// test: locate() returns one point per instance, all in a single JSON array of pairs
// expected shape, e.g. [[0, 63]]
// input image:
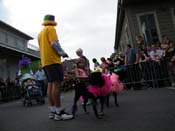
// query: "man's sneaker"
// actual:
[[66, 116], [57, 117], [63, 116], [51, 115]]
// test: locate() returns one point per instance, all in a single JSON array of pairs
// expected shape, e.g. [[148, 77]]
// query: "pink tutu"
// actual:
[[101, 91], [117, 86]]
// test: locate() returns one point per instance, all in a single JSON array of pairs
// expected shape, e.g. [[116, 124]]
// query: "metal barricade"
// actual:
[[9, 93], [149, 74]]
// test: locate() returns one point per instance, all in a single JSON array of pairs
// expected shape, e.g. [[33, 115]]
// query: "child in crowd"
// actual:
[[81, 76], [104, 65]]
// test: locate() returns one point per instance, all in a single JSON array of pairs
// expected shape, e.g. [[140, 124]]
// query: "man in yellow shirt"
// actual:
[[51, 53]]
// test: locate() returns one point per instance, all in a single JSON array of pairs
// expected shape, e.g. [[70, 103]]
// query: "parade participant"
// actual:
[[50, 53], [80, 87], [84, 62]]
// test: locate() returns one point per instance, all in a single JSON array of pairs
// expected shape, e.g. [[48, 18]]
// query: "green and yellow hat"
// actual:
[[97, 70], [49, 20]]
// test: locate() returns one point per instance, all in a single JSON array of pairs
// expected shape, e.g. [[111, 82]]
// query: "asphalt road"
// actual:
[[144, 110]]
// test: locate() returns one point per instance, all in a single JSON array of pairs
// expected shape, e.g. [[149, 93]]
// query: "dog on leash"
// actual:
[[97, 87]]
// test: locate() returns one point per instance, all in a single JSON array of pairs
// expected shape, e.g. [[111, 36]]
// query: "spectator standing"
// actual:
[[40, 77], [119, 60], [131, 58], [79, 53], [131, 55], [142, 56], [51, 52], [165, 39], [170, 59], [155, 54]]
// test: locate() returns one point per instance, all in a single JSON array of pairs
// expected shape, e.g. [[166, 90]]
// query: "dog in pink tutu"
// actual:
[[117, 86], [98, 87]]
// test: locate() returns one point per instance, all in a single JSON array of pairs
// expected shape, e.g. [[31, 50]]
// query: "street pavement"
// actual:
[[142, 110]]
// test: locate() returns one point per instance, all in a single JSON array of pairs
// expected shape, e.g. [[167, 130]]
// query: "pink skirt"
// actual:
[[117, 85], [101, 91]]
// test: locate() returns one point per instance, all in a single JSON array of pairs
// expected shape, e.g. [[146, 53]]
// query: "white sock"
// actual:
[[57, 109], [52, 108]]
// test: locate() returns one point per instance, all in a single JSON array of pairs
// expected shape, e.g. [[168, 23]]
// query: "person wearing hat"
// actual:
[[51, 53]]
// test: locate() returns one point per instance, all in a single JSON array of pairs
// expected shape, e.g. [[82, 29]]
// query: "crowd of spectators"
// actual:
[[148, 63], [154, 61], [9, 89]]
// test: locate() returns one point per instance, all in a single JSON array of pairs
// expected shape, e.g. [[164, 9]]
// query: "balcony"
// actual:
[[14, 43]]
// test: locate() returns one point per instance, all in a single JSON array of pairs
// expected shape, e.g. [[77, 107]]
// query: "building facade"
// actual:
[[150, 19], [13, 44]]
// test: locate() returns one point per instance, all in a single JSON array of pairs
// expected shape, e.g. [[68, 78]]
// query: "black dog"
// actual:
[[94, 79], [115, 99]]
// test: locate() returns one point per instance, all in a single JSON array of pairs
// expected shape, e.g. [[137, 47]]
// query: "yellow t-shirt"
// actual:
[[48, 55]]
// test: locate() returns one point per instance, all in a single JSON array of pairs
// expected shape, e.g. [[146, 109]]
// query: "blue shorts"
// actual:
[[54, 72]]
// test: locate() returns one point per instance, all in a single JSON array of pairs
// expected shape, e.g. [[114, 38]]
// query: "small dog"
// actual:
[[116, 87], [97, 86]]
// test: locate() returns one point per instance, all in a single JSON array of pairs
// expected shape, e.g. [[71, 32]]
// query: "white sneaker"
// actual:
[[63, 116], [51, 115], [66, 116], [57, 117]]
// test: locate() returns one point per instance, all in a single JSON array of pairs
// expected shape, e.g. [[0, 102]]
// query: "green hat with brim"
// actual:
[[49, 20]]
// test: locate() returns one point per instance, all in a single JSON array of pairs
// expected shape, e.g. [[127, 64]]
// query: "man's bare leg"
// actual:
[[56, 94], [51, 101], [49, 94]]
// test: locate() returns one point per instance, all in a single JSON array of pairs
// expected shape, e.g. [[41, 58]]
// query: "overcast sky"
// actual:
[[86, 24]]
